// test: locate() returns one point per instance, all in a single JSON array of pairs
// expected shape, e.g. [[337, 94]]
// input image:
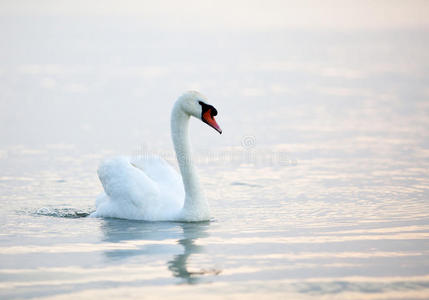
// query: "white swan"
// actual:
[[149, 188]]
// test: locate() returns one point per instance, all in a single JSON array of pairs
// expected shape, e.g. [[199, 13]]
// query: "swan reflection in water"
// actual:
[[178, 266], [186, 235]]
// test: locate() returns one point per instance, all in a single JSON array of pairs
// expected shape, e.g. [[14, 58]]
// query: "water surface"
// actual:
[[319, 184]]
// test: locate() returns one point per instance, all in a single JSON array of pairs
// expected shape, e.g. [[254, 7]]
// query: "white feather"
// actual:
[[148, 188]]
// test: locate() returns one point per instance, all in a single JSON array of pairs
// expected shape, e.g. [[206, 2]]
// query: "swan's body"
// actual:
[[149, 188]]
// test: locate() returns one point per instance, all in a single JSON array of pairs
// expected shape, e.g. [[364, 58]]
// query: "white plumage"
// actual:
[[148, 188]]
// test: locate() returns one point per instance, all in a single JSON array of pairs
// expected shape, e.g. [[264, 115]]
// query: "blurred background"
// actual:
[[318, 186], [104, 74]]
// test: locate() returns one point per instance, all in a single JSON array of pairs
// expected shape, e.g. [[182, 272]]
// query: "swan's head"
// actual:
[[195, 104]]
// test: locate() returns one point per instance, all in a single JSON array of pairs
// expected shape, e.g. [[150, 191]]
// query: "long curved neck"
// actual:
[[194, 199]]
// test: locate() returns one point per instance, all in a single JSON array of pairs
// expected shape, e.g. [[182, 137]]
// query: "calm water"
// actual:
[[319, 186], [310, 227]]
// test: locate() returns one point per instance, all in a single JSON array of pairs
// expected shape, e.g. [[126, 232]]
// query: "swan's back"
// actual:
[[146, 188]]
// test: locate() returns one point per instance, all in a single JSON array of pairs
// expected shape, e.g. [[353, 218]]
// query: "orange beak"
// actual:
[[209, 119]]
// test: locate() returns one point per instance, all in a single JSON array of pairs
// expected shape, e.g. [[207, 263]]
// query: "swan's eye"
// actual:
[[205, 107]]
